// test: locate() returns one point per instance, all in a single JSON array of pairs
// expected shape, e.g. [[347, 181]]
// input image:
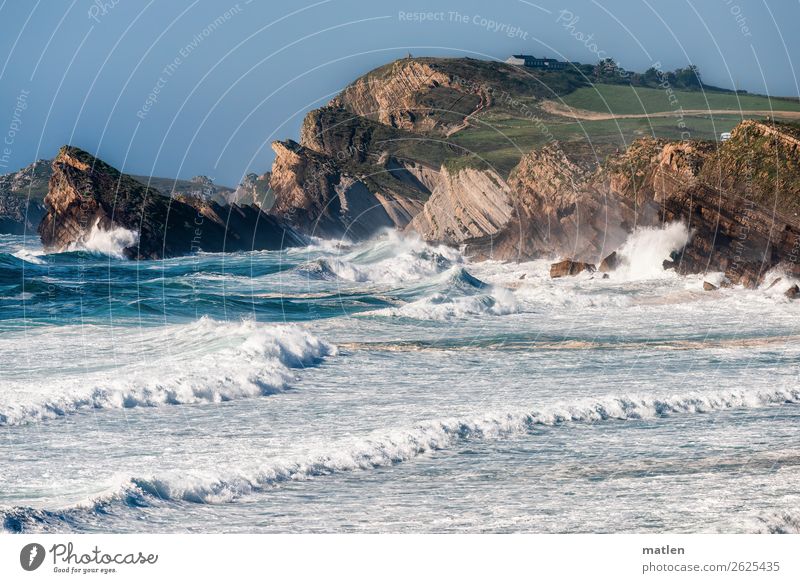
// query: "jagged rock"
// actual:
[[371, 148], [569, 267], [253, 189], [553, 213], [85, 193], [467, 204], [709, 286], [605, 276], [792, 292], [318, 196], [21, 195], [610, 262]]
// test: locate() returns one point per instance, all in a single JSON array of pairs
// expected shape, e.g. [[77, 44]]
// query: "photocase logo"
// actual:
[[31, 556]]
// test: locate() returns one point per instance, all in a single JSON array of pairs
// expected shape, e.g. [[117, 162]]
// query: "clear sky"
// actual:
[[233, 76]]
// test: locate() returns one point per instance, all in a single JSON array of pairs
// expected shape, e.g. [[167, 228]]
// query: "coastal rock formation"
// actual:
[[466, 204], [253, 190], [436, 95], [21, 196], [397, 96], [610, 262], [86, 194], [569, 267], [740, 213], [321, 198], [560, 208]]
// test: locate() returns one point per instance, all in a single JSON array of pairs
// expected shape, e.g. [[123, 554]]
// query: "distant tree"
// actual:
[[650, 77], [607, 69], [688, 78]]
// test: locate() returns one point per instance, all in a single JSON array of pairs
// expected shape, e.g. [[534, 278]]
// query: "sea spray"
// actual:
[[647, 247], [111, 242]]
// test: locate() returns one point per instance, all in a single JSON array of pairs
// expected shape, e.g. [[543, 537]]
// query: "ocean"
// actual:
[[391, 386]]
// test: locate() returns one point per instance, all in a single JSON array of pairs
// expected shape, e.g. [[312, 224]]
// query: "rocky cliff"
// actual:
[[435, 95], [253, 189], [87, 194], [739, 201], [372, 157], [21, 195]]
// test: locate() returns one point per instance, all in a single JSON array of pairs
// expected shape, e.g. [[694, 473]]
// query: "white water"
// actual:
[[112, 242], [647, 247], [206, 361], [462, 397]]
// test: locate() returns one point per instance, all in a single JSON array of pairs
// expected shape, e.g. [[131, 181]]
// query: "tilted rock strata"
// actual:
[[86, 193]]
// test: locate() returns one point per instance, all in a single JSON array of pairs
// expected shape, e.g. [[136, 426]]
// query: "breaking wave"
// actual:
[[646, 249], [390, 259], [388, 449], [112, 243], [462, 295], [203, 362]]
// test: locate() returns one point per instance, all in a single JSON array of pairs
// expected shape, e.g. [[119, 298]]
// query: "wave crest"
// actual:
[[391, 448], [243, 360]]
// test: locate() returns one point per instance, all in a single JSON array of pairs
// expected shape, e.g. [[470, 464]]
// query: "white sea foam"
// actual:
[[112, 243], [29, 255], [390, 259], [206, 361], [404, 444], [646, 249], [381, 449]]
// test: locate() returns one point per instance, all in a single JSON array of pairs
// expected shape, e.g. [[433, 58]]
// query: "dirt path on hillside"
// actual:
[[556, 108]]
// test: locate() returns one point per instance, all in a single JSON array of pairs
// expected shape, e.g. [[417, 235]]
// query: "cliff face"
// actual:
[[371, 158], [404, 97], [435, 96], [21, 195], [741, 216], [86, 193], [321, 198], [465, 204], [558, 212], [739, 201], [254, 189]]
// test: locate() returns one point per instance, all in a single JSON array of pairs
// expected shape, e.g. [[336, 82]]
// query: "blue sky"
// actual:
[[233, 76]]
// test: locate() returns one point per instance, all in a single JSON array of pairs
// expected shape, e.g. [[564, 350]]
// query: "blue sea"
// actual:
[[391, 386]]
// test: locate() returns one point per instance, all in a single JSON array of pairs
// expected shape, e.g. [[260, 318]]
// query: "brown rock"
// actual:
[[86, 193], [793, 292], [610, 263], [570, 267], [709, 286]]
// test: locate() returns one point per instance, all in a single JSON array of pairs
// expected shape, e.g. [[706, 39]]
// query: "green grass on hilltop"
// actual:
[[502, 141], [624, 99]]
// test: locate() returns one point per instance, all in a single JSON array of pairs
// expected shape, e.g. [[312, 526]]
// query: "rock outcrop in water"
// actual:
[[374, 155], [739, 200], [21, 195], [86, 194], [379, 156], [569, 267]]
